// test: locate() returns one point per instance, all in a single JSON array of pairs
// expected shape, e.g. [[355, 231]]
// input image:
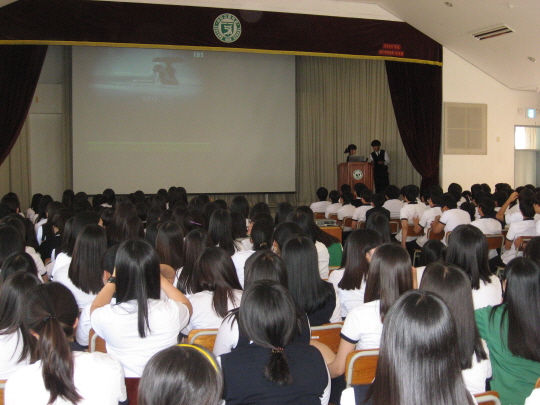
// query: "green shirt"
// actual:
[[336, 252], [513, 377]]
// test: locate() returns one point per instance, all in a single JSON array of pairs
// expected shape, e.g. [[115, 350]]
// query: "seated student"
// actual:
[[322, 204], [377, 202], [526, 227], [487, 222], [18, 262], [434, 199], [432, 251], [357, 191], [334, 206], [393, 203], [451, 216], [58, 375], [509, 215], [411, 209], [359, 214], [456, 191], [285, 208], [380, 224], [347, 210], [273, 369]]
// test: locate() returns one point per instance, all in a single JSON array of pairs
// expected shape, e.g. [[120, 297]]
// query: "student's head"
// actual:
[[261, 235], [220, 230], [532, 250], [36, 198], [357, 253], [322, 193], [305, 222], [345, 187], [390, 275], [378, 200], [110, 195], [207, 211], [419, 351], [526, 206], [215, 272], [376, 145], [359, 188], [392, 192], [351, 149], [366, 195], [170, 244], [72, 232], [452, 285], [381, 224], [432, 251], [347, 197], [455, 189], [268, 317], [282, 210], [260, 207], [436, 198], [283, 232], [51, 315], [265, 265], [468, 249], [12, 202], [193, 219], [469, 208], [240, 204], [410, 192], [448, 201], [16, 221], [334, 196], [11, 242], [132, 228], [17, 262], [487, 206], [194, 244], [181, 375], [238, 223], [137, 278]]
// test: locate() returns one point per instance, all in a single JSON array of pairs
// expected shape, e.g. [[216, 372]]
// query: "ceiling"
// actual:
[[505, 57]]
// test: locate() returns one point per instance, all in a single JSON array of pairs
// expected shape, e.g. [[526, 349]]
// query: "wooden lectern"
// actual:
[[356, 172]]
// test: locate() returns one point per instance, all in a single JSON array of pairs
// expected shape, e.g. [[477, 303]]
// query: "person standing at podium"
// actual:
[[380, 160], [351, 150]]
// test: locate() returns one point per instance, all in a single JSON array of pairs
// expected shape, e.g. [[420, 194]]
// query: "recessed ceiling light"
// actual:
[[531, 59], [449, 4]]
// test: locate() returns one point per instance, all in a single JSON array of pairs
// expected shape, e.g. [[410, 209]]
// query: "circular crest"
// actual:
[[358, 174], [227, 28]]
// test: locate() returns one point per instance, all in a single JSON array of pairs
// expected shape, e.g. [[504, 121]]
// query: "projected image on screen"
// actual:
[[212, 122]]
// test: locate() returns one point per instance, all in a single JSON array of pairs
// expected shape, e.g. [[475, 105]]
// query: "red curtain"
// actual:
[[416, 91], [20, 67]]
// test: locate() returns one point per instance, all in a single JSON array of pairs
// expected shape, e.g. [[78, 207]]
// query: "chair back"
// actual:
[[524, 241], [96, 343], [335, 231], [395, 225], [328, 334], [537, 385], [412, 232], [433, 235], [319, 215], [488, 398], [2, 386], [333, 216], [495, 241], [347, 222], [203, 337], [360, 367], [361, 225]]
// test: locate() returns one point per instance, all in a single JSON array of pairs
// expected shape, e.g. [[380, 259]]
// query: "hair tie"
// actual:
[[278, 350], [194, 223], [264, 244], [204, 352], [48, 318]]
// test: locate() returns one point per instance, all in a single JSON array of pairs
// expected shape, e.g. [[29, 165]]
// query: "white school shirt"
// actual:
[[475, 377], [523, 228], [346, 211], [428, 216], [394, 206], [538, 228], [359, 213], [320, 206], [83, 299], [227, 336], [534, 398], [39, 230], [82, 332], [323, 259], [348, 299], [62, 260], [489, 226], [204, 316], [239, 259], [386, 157], [408, 212], [98, 378], [363, 326], [117, 324], [332, 209], [10, 349], [37, 259], [489, 294], [452, 219]]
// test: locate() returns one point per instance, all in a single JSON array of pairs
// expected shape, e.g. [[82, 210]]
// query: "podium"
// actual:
[[356, 172]]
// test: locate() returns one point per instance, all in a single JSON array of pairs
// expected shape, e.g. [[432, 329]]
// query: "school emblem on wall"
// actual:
[[227, 28], [358, 174]]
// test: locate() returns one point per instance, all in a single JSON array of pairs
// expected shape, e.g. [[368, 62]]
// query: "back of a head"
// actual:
[[181, 375], [322, 193], [359, 188], [469, 208], [220, 229], [132, 228], [79, 222], [347, 197], [284, 231], [240, 204], [334, 196], [345, 187], [283, 209], [392, 192], [264, 265], [239, 228], [194, 244], [208, 210], [468, 249], [432, 251], [170, 244], [11, 241], [378, 200], [532, 250], [455, 190], [354, 259], [419, 351], [12, 202], [261, 235], [487, 205], [449, 201], [17, 262], [380, 223], [193, 219], [303, 221], [36, 198], [260, 207]]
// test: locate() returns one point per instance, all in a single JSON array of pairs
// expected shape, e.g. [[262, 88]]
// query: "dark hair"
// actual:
[[378, 200], [359, 188], [11, 241], [222, 204], [42, 208], [12, 306], [376, 143], [526, 207], [532, 250], [284, 231], [268, 317], [220, 230], [392, 192], [238, 222], [36, 198], [122, 212], [432, 251], [132, 228], [345, 187], [215, 272], [469, 208], [109, 258], [194, 244], [487, 205], [260, 207], [334, 196], [282, 210], [307, 288], [305, 209], [153, 214], [500, 198], [207, 212], [381, 224], [264, 265], [419, 351], [106, 216], [17, 262], [170, 244], [322, 193], [366, 194], [51, 312], [453, 286], [240, 204], [85, 270], [455, 190], [181, 375], [261, 235], [137, 278], [354, 260], [468, 249], [52, 209], [73, 227], [410, 192], [309, 228], [449, 201], [521, 306], [390, 275], [193, 219], [110, 195], [347, 197], [350, 148]]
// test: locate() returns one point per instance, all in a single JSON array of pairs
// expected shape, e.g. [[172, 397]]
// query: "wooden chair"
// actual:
[[132, 389], [433, 235], [203, 337], [488, 398], [2, 386], [524, 241], [328, 334], [335, 231], [412, 232], [347, 222], [361, 225], [395, 226], [537, 385], [360, 367], [319, 215], [96, 343], [333, 216], [495, 241]]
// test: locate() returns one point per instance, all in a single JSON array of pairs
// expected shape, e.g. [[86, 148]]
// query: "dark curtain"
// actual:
[[20, 67], [416, 91]]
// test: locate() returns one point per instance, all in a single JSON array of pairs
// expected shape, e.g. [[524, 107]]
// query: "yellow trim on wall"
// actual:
[[217, 49]]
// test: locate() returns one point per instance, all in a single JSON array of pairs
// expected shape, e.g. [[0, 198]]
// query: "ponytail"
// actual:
[[51, 312], [277, 369]]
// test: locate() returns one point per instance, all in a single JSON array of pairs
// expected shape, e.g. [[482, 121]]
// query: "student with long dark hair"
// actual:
[[432, 251], [18, 262], [11, 241], [170, 244], [240, 204], [34, 205], [216, 289], [273, 368], [432, 375], [57, 375], [194, 244], [452, 285], [282, 210], [350, 280], [220, 229], [122, 212], [139, 324], [316, 297], [54, 243], [46, 230], [181, 375], [390, 275], [468, 249], [282, 232], [84, 276], [15, 338], [512, 332]]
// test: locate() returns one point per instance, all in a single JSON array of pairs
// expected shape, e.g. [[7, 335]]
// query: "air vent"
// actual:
[[492, 32]]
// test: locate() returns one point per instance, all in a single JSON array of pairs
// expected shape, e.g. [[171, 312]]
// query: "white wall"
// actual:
[[464, 83]]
